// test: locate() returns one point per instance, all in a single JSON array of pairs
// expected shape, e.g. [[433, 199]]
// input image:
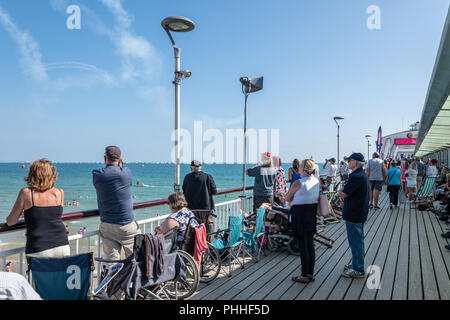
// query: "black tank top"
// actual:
[[45, 229]]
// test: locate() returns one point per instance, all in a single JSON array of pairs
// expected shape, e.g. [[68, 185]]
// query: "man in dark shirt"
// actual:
[[356, 209], [117, 223], [198, 189]]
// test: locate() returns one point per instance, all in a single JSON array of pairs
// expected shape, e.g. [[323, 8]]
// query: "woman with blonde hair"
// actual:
[[304, 196], [42, 206]]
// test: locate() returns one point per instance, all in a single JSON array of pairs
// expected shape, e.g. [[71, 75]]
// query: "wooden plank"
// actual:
[[333, 266], [234, 286], [336, 285], [389, 267], [440, 227], [267, 278], [208, 291], [369, 294], [355, 288], [415, 272], [400, 290], [287, 284], [442, 276], [430, 290]]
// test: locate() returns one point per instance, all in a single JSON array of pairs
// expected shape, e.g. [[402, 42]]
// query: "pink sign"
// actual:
[[405, 141]]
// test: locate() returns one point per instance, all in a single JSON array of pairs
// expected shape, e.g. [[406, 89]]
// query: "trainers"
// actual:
[[447, 247], [351, 273], [376, 207], [391, 206], [371, 207], [348, 267]]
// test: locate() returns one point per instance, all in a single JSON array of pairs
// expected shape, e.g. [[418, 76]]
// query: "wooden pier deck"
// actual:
[[405, 243]]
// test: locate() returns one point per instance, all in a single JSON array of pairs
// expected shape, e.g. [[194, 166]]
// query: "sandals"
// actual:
[[301, 279]]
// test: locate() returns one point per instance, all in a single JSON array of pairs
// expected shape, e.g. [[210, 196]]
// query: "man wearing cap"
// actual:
[[356, 209], [117, 223], [198, 189], [264, 178], [376, 171], [332, 168]]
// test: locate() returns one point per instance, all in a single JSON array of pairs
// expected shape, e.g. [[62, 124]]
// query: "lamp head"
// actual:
[[252, 84], [178, 24]]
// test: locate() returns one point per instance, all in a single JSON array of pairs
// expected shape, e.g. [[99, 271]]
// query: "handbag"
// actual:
[[323, 206]]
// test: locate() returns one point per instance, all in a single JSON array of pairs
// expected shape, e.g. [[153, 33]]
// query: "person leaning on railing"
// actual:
[[115, 204], [41, 204]]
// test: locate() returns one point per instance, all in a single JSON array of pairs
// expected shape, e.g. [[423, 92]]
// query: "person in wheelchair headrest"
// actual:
[[179, 218]]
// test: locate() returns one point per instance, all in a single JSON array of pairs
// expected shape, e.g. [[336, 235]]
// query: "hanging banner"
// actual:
[[379, 144]]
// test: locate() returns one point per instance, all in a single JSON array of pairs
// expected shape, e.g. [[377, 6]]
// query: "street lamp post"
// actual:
[[338, 127], [177, 24], [368, 145], [249, 85]]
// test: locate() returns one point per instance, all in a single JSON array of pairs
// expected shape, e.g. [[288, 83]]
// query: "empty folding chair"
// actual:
[[62, 278]]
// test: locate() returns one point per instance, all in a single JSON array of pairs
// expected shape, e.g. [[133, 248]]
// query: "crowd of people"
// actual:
[[41, 204]]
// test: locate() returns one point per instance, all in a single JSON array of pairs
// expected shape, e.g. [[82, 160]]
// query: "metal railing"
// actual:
[[91, 241]]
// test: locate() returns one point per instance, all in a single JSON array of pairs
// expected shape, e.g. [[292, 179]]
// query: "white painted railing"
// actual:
[[91, 241]]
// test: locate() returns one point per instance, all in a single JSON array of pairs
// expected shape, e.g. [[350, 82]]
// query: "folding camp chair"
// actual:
[[427, 189], [61, 278], [230, 242], [255, 240]]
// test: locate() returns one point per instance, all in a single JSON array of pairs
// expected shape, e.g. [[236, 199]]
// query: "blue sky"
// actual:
[[66, 94]]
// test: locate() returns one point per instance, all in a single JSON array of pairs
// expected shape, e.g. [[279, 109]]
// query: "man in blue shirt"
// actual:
[[420, 172], [117, 224], [356, 209]]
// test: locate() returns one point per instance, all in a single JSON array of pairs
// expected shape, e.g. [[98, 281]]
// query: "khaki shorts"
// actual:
[[116, 236]]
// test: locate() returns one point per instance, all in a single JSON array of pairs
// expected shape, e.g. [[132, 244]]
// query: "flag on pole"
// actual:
[[379, 144]]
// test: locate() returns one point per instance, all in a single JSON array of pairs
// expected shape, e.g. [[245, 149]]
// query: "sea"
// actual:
[[76, 180]]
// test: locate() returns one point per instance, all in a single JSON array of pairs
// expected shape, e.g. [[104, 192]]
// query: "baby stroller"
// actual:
[[279, 232], [128, 280]]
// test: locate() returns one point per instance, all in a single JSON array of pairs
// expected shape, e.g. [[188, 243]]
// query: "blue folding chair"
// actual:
[[255, 240], [230, 242], [61, 278]]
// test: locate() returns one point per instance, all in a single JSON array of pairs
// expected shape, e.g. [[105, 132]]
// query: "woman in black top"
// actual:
[[42, 206]]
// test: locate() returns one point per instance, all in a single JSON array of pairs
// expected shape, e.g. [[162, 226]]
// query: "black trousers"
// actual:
[[307, 253], [393, 194]]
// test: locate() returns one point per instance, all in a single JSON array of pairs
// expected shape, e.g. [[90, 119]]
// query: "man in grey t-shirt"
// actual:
[[377, 174]]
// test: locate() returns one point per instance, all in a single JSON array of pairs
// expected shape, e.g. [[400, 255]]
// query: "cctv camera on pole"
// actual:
[[249, 85]]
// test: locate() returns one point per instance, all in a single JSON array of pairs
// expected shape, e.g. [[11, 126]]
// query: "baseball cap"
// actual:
[[356, 156], [196, 163], [113, 153]]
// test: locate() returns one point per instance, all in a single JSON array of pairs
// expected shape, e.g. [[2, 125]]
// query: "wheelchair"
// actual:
[[127, 279]]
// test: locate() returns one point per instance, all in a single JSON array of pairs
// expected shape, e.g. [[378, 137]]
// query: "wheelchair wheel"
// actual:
[[293, 247], [211, 264], [272, 244], [183, 290]]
